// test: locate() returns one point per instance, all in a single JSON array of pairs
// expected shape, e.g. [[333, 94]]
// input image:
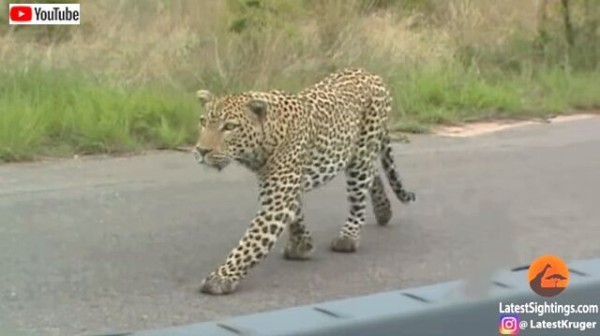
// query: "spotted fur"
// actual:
[[295, 143]]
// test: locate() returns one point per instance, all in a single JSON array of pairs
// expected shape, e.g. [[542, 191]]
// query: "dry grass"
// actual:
[[188, 41]]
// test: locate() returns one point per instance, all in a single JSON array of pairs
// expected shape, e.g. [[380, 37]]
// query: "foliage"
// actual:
[[124, 79]]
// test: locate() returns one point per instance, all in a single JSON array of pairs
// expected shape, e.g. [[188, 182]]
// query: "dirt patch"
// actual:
[[480, 128]]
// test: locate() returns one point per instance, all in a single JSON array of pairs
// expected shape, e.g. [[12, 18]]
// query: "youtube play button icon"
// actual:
[[21, 13]]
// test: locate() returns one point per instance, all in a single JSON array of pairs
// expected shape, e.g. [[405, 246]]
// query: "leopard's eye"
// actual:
[[230, 126]]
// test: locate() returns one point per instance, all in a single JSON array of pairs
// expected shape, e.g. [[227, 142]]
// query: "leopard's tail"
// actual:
[[389, 167]]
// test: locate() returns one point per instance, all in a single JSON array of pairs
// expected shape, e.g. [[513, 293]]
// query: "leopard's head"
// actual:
[[231, 128]]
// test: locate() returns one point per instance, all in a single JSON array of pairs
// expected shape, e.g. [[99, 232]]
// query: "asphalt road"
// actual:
[[96, 245]]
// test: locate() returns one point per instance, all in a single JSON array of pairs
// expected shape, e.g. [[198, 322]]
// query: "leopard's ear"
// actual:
[[258, 109], [204, 96]]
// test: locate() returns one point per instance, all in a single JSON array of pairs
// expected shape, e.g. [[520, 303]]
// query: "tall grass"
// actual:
[[122, 80]]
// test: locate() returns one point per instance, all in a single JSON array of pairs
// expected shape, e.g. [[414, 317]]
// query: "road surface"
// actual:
[[98, 245]]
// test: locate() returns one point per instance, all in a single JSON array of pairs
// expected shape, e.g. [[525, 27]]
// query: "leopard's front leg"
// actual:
[[279, 204]]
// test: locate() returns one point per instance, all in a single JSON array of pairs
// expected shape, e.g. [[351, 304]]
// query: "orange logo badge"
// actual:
[[548, 275]]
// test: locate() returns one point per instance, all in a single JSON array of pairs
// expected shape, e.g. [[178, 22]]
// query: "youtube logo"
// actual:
[[44, 14], [21, 13]]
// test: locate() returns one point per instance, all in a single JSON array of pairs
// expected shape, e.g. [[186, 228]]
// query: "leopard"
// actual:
[[294, 143]]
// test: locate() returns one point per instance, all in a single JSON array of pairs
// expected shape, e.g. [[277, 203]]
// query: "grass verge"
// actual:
[[450, 95], [56, 113]]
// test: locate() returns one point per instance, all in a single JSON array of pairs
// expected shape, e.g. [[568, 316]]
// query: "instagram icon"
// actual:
[[508, 324]]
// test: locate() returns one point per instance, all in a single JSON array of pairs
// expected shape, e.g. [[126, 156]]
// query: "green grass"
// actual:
[[58, 113], [450, 95]]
